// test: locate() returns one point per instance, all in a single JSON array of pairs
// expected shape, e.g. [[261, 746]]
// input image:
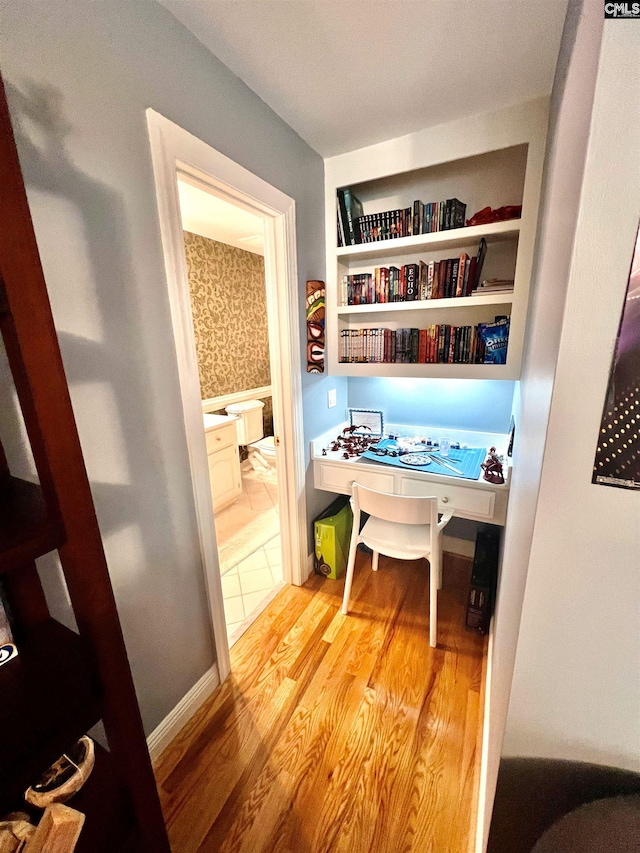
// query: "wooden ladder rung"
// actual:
[[27, 528]]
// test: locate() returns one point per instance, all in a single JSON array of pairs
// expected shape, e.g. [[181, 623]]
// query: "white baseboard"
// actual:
[[460, 547], [310, 568], [484, 805], [161, 737]]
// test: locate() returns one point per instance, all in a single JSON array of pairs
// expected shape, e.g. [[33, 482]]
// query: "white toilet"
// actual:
[[250, 427]]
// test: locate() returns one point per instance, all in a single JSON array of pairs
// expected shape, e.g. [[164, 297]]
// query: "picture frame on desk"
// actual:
[[366, 422]]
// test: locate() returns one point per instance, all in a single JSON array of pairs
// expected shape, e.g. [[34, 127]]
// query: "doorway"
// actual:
[[177, 155], [224, 249]]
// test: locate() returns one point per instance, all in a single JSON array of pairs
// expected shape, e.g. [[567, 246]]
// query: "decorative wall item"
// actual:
[[617, 461], [315, 326], [229, 307]]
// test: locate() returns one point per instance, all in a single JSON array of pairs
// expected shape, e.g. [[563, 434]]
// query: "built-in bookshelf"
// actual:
[[489, 161]]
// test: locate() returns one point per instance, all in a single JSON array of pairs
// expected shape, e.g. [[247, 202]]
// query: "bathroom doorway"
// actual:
[[177, 156], [224, 252]]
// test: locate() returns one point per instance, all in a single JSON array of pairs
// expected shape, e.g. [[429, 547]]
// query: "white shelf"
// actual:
[[490, 160], [427, 305], [433, 371], [454, 238]]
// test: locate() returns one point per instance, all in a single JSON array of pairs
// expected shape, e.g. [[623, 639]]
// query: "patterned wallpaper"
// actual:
[[229, 306]]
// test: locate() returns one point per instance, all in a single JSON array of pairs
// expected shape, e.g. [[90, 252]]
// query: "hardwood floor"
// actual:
[[338, 733]]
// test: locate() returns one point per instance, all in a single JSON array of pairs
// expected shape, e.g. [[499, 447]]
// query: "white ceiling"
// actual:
[[348, 73], [210, 216]]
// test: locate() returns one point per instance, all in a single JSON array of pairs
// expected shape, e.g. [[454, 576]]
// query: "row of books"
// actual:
[[494, 285], [421, 218], [445, 279], [437, 344]]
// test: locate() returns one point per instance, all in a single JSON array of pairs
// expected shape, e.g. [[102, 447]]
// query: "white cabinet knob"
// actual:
[[445, 500]]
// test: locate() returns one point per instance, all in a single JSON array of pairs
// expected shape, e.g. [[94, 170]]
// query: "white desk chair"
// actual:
[[405, 528]]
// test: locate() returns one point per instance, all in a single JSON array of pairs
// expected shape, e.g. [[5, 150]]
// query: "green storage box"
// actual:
[[332, 532]]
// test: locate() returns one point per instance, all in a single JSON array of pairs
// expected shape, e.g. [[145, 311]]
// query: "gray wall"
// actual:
[[80, 76], [576, 686]]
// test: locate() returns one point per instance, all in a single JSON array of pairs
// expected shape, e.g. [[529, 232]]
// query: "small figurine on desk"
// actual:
[[351, 429], [351, 445], [492, 467]]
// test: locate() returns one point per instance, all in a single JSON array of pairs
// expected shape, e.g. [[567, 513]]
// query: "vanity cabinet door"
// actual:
[[224, 473], [221, 437]]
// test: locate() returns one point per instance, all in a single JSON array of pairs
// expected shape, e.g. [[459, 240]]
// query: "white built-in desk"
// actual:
[[477, 500]]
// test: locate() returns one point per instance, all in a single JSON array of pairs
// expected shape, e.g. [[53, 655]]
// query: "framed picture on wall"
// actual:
[[617, 461]]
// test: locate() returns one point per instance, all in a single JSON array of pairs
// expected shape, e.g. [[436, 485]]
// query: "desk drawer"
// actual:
[[336, 478], [220, 437], [476, 502]]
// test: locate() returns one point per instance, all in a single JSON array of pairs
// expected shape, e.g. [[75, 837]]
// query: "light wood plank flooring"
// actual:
[[338, 733]]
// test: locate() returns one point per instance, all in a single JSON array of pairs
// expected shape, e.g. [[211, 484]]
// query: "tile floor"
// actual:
[[249, 586], [248, 534], [250, 521]]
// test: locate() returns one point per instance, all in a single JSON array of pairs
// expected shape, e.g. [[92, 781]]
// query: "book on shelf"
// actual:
[[385, 226], [482, 251], [354, 226], [463, 269], [418, 217], [448, 278], [340, 226], [411, 282], [438, 343], [494, 285], [350, 211]]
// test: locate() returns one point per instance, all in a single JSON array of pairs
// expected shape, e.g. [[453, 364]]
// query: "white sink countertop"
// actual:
[[215, 421]]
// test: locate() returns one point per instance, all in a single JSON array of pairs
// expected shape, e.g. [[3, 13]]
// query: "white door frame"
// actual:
[[174, 151]]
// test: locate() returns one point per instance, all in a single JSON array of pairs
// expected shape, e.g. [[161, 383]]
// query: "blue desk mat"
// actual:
[[467, 460]]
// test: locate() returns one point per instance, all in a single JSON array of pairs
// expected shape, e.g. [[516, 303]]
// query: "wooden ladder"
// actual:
[[62, 683]]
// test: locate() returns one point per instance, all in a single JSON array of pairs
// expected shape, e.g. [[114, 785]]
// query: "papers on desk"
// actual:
[[463, 463]]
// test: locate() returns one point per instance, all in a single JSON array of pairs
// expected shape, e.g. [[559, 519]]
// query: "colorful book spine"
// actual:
[[418, 215], [464, 258], [350, 210], [411, 282]]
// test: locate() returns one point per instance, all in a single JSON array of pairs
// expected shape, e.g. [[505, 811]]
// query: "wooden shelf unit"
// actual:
[[50, 697], [27, 528], [103, 799], [109, 826], [490, 160], [62, 682]]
